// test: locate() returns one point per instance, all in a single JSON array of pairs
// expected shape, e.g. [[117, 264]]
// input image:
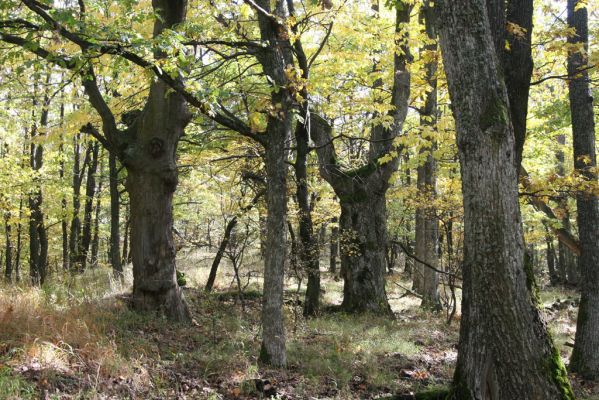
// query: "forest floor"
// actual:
[[77, 339]]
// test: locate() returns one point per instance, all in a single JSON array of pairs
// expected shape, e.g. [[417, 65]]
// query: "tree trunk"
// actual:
[[585, 356], [8, 248], [334, 247], [361, 191], [38, 239], [219, 254], [427, 226], [363, 231], [151, 182], [90, 192], [550, 255], [95, 244], [63, 202], [308, 249], [274, 61], [113, 181], [75, 230], [504, 350]]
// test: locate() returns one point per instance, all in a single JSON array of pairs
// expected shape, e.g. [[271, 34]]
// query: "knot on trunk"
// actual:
[[156, 147]]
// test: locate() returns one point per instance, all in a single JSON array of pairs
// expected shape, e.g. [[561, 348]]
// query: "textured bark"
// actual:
[[113, 181], [504, 350], [427, 226], [585, 355], [361, 192], [150, 160], [363, 231], [274, 59], [219, 254]]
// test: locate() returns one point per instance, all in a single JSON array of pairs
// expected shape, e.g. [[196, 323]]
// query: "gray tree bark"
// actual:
[[427, 225], [585, 355], [504, 350]]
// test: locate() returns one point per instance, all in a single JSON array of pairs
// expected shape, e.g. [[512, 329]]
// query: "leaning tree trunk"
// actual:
[[219, 254], [504, 350], [150, 160], [585, 356], [363, 237]]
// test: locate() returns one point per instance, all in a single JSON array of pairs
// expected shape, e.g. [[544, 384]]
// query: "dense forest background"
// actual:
[[299, 199]]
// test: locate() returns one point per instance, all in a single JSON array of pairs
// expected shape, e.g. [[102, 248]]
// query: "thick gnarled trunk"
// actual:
[[501, 325], [363, 239]]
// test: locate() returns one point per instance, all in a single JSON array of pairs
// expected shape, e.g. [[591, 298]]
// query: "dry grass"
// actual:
[[77, 339]]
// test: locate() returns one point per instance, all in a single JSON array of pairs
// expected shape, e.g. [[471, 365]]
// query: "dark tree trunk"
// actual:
[[126, 258], [219, 254], [63, 202], [427, 226], [75, 230], [585, 356], [334, 247], [308, 249], [38, 239], [95, 244], [8, 248], [113, 181], [550, 255], [19, 243], [90, 192], [504, 350]]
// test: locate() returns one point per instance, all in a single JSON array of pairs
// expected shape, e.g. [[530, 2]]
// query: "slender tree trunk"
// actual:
[[90, 192], [19, 243], [38, 240], [504, 350], [113, 181], [334, 247], [308, 251], [550, 255], [63, 202], [585, 356], [95, 244], [75, 229], [126, 259], [8, 247], [427, 226], [219, 254]]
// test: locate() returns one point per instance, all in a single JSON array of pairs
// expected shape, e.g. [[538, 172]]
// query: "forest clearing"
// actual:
[[299, 199]]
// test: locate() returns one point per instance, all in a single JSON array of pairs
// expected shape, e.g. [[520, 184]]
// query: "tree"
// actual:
[[361, 191], [427, 225], [585, 357], [501, 324]]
